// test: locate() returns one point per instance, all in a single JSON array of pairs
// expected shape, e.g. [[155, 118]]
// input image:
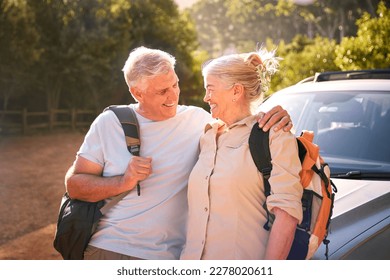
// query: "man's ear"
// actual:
[[137, 93]]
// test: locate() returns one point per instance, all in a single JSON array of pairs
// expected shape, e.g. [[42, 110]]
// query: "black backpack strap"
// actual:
[[259, 148], [129, 122]]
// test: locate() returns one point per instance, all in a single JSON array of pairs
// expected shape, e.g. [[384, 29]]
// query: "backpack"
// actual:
[[77, 220], [318, 194]]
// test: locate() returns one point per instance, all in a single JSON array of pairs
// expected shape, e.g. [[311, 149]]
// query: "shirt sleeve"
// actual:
[[286, 189], [103, 131]]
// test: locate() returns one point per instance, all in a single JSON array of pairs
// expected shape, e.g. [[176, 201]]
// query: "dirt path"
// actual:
[[32, 170]]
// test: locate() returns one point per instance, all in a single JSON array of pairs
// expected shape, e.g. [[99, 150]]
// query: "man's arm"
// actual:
[[84, 180], [277, 115], [281, 236]]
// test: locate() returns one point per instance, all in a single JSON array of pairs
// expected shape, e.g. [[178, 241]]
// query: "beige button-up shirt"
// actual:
[[226, 193]]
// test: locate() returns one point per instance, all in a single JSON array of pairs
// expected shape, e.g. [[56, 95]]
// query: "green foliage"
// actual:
[[69, 53], [302, 58], [370, 49], [18, 49], [78, 64], [305, 36], [228, 25], [197, 89], [213, 27]]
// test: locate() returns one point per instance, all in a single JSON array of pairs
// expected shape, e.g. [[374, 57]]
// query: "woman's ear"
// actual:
[[238, 90]]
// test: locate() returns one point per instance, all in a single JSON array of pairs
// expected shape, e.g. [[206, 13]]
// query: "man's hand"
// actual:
[[84, 179], [278, 116], [138, 169]]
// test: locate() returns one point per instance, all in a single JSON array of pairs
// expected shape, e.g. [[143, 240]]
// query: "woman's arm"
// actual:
[[281, 236]]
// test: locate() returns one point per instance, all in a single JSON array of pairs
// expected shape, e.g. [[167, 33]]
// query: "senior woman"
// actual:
[[225, 191]]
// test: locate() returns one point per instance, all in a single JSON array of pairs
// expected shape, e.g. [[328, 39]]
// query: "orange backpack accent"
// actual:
[[318, 194]]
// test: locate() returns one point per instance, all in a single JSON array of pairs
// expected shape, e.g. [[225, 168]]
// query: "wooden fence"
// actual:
[[23, 121]]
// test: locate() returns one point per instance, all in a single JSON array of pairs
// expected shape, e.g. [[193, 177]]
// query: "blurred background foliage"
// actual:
[[69, 53]]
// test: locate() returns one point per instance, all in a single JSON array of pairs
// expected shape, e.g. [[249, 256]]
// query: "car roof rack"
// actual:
[[349, 75]]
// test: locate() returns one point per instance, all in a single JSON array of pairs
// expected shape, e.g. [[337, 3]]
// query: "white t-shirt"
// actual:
[[150, 226]]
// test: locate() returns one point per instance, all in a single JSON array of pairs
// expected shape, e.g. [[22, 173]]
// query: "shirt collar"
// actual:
[[217, 124], [248, 121]]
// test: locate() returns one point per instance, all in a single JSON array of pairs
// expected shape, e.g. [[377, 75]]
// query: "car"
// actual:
[[349, 113]]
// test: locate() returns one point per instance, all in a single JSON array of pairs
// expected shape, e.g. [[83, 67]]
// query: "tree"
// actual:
[[78, 50], [302, 58], [370, 49], [231, 24], [159, 24], [18, 49], [332, 19], [69, 53]]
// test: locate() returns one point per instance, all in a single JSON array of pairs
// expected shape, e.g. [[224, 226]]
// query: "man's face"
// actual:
[[159, 99]]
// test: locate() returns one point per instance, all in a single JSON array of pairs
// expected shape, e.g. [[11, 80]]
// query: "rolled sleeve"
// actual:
[[286, 189], [92, 148]]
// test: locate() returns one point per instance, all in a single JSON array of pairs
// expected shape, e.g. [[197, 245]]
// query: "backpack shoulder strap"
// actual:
[[309, 161], [259, 148], [129, 122]]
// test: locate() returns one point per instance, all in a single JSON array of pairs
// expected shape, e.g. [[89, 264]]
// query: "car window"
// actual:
[[353, 126]]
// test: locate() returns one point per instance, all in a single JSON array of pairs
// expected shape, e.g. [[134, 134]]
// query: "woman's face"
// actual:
[[219, 96]]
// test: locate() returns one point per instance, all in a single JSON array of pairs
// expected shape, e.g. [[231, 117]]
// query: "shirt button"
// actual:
[[207, 177], [206, 209]]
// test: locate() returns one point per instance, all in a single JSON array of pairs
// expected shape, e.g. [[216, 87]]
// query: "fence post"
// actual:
[[24, 120], [51, 119], [73, 117]]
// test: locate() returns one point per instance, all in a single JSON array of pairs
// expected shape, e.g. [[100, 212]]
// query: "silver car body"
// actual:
[[360, 226]]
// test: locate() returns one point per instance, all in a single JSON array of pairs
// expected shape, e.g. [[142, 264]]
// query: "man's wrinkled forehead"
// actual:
[[160, 81]]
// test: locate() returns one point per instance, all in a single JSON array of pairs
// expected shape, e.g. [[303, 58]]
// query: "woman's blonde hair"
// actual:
[[252, 70]]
